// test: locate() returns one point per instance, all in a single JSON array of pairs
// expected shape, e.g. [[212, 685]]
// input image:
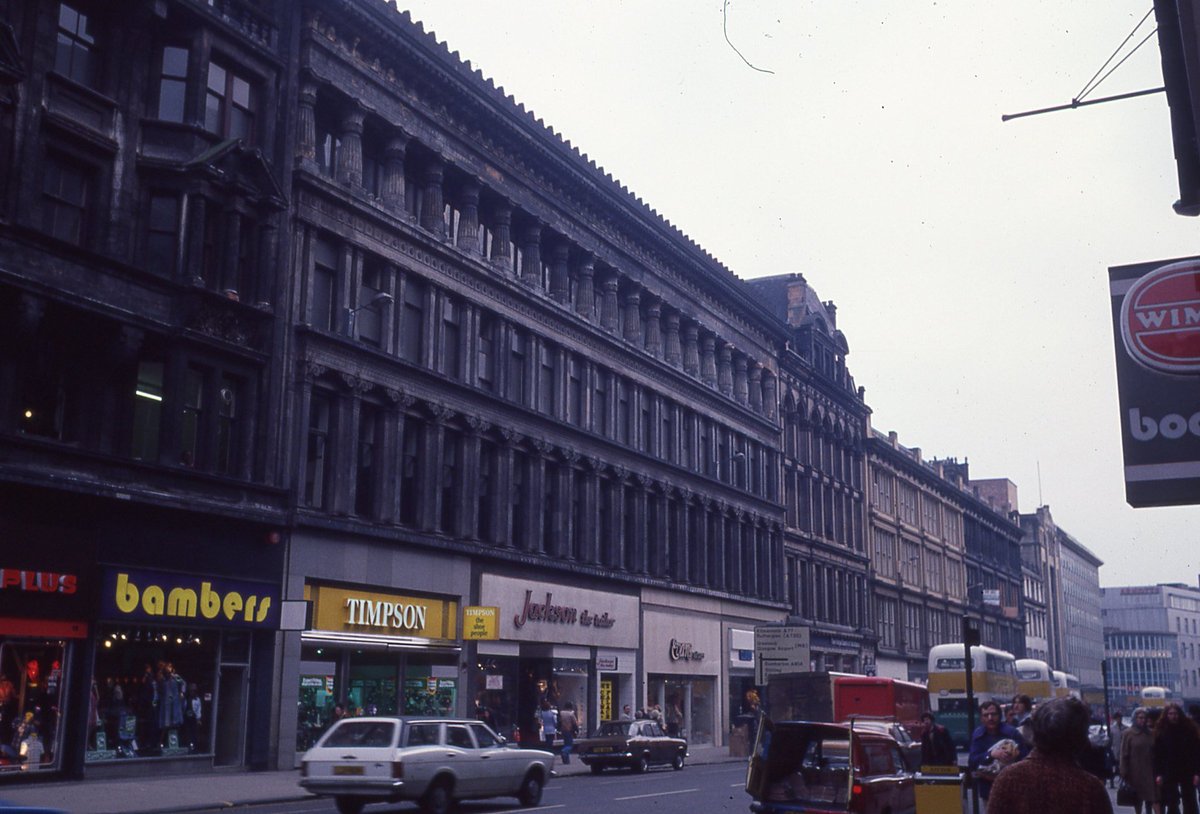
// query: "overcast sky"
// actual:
[[967, 257]]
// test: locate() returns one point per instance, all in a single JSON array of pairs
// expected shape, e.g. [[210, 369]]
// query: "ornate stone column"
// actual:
[[505, 480], [585, 294], [716, 547], [708, 361], [673, 351], [349, 154], [472, 460], [691, 349], [741, 387], [756, 387], [560, 275], [468, 218], [531, 256], [502, 235], [633, 316], [306, 126], [654, 329], [433, 206], [725, 369], [392, 193], [608, 303]]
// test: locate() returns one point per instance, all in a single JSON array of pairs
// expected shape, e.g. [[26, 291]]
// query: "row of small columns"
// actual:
[[716, 363]]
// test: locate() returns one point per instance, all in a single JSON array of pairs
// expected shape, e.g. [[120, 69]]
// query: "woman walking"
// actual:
[[1137, 762], [1176, 760]]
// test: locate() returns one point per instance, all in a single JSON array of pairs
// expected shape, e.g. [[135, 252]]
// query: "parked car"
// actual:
[[910, 748], [799, 766], [434, 761], [635, 745]]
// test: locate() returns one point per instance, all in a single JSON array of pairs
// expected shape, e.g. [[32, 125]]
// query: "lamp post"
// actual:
[[351, 313]]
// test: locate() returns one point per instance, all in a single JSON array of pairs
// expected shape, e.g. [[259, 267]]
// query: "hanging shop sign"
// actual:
[[154, 596], [481, 624], [538, 611], [352, 610], [1156, 320]]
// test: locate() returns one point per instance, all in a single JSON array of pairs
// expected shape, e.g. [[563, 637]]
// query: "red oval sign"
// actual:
[[1160, 319]]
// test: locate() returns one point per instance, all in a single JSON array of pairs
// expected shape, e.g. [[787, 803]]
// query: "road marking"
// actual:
[[539, 808], [659, 794]]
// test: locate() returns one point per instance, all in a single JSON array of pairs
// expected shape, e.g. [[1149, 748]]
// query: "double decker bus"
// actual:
[[994, 678], [1155, 696], [1066, 685], [1034, 679]]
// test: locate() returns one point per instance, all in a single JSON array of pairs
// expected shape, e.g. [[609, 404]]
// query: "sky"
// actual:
[[967, 256]]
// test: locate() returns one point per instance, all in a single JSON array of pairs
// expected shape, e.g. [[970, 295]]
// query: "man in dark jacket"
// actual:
[[937, 749], [992, 731]]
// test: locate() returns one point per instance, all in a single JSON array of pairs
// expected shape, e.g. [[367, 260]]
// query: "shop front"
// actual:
[[556, 644], [174, 656], [683, 654], [373, 651], [836, 654], [45, 601]]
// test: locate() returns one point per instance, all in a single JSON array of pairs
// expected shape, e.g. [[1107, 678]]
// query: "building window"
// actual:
[[324, 285], [368, 320], [485, 351], [172, 84], [192, 417], [410, 488], [328, 142], [64, 198], [451, 339], [75, 53], [319, 460], [451, 444], [624, 412], [229, 104], [412, 327], [548, 380], [574, 391], [881, 485], [886, 611], [600, 402], [517, 368], [367, 465], [484, 486], [162, 233], [147, 411], [228, 429], [517, 503], [907, 499]]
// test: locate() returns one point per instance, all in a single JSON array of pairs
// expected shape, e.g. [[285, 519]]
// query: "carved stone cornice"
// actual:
[[441, 413], [400, 398], [543, 447], [356, 383], [477, 425], [511, 437]]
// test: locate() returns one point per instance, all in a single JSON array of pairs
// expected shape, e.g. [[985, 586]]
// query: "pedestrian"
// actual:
[[1021, 709], [1176, 760], [937, 748], [549, 719], [1116, 729], [627, 712], [1050, 780], [990, 732], [1137, 762], [568, 727]]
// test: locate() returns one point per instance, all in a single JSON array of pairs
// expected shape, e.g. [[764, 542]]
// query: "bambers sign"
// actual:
[[1156, 319]]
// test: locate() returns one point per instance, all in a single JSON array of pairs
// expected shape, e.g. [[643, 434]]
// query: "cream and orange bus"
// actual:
[[1155, 696], [1066, 685], [993, 677], [1034, 679]]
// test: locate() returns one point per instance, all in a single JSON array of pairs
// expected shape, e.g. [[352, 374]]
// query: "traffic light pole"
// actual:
[[970, 638]]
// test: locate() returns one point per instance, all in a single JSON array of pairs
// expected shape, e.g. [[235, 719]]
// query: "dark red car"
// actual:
[[800, 766]]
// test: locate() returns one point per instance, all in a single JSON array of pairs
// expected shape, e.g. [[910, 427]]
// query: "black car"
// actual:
[[635, 745]]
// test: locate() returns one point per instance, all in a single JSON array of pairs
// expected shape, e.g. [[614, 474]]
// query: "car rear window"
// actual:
[[423, 734], [362, 734], [806, 767]]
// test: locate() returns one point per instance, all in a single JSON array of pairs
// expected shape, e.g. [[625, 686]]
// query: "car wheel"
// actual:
[[597, 768], [349, 805], [677, 761], [531, 790], [437, 799], [641, 764]]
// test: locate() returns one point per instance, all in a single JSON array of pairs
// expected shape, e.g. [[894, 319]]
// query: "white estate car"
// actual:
[[435, 761]]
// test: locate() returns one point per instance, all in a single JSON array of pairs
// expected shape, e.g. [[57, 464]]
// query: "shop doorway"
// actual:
[[232, 685]]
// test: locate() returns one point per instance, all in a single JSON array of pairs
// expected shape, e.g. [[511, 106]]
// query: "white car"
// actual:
[[434, 761]]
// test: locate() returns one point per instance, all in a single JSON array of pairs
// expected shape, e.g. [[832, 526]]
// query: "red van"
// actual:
[[801, 766]]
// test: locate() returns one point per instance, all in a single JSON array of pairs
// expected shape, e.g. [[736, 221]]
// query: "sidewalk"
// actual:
[[192, 792]]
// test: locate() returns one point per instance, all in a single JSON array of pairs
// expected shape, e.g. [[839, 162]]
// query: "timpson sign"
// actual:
[[537, 611], [353, 610], [1156, 322]]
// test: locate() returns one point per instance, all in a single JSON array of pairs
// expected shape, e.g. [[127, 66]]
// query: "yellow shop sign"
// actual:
[[349, 610]]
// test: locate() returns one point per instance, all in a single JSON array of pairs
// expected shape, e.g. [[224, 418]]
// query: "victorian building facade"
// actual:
[[918, 556], [825, 422]]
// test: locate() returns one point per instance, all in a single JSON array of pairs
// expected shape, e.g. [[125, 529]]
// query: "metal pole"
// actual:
[[1107, 710], [970, 637]]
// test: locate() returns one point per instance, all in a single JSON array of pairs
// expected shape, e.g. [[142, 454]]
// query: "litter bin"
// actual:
[[939, 790]]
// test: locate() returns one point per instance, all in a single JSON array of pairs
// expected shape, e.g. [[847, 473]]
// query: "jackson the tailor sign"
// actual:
[[1156, 320], [188, 599]]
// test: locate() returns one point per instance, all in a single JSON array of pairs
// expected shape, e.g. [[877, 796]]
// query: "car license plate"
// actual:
[[348, 770], [604, 749]]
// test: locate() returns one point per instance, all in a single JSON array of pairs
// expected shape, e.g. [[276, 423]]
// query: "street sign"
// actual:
[[780, 649]]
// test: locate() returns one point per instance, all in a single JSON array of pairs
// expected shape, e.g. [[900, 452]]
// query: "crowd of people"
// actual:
[[1055, 757]]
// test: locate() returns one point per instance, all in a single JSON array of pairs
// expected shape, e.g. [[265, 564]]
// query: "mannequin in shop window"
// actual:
[[170, 701], [193, 711], [147, 707]]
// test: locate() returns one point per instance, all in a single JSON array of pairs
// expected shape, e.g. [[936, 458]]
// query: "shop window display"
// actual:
[[31, 689], [152, 693]]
